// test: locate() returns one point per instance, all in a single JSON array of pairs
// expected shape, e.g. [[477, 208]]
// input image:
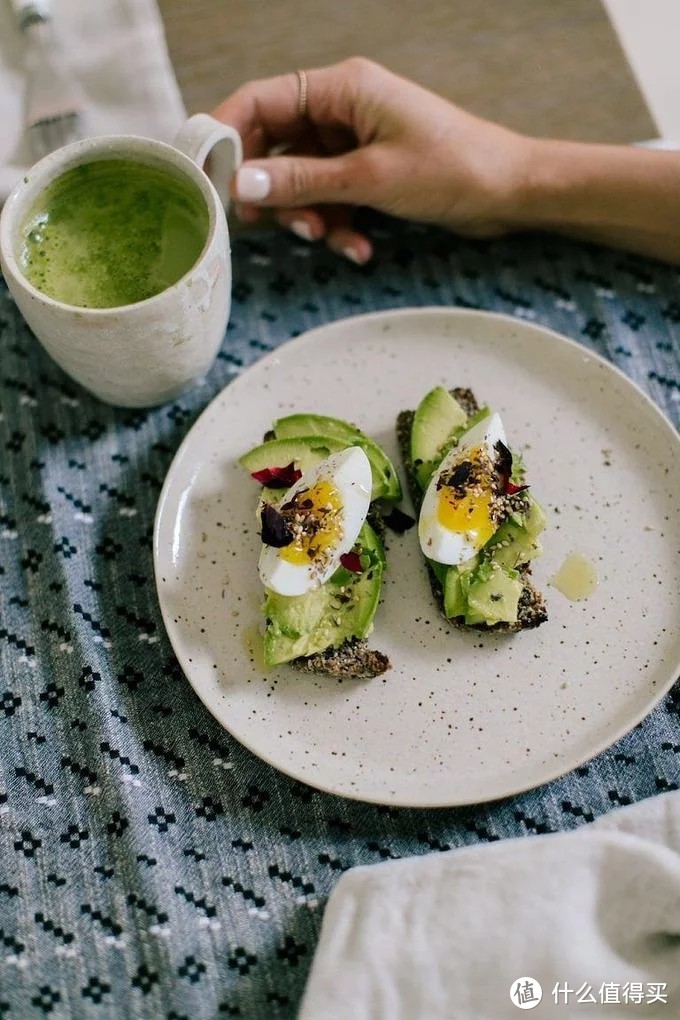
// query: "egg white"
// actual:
[[437, 542], [349, 471]]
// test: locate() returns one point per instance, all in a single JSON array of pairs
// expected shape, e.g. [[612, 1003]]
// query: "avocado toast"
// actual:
[[478, 522], [324, 483]]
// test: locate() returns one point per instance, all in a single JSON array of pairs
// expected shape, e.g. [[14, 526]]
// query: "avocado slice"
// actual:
[[295, 425], [492, 593], [436, 419], [516, 540], [533, 520], [455, 587], [341, 609], [306, 452], [512, 545]]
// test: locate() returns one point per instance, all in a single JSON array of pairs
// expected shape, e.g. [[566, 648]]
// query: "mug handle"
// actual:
[[207, 140]]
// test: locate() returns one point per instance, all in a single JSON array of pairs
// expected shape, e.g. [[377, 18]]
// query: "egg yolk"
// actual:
[[317, 524], [468, 516], [464, 507]]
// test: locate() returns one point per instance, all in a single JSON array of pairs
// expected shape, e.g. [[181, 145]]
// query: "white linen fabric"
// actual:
[[593, 915], [117, 52]]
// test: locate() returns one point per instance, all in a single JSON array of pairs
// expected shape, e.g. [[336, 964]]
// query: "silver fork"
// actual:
[[53, 105]]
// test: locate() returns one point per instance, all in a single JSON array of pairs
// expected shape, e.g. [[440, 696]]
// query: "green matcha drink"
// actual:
[[113, 232]]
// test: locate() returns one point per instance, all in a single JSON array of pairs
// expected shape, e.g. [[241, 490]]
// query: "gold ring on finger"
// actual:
[[302, 94]]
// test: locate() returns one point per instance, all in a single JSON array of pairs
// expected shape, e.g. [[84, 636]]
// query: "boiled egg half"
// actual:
[[317, 521], [456, 517]]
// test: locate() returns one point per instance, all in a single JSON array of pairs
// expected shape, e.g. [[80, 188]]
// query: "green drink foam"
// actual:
[[112, 232]]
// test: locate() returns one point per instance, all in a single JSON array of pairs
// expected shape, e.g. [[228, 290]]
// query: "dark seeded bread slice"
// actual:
[[531, 610], [353, 660]]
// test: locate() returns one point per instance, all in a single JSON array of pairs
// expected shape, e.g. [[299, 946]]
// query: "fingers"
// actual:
[[350, 244], [301, 164], [269, 105], [307, 224], [333, 99], [333, 225], [291, 181]]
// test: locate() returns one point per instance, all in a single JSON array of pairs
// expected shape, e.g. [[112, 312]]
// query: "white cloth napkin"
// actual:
[[447, 936], [117, 52]]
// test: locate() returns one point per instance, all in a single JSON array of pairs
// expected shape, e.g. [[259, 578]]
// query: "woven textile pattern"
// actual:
[[149, 865]]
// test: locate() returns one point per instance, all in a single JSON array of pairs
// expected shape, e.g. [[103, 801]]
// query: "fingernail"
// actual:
[[301, 229], [252, 184], [353, 256]]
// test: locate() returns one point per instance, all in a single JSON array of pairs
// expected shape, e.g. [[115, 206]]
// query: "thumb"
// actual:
[[290, 181]]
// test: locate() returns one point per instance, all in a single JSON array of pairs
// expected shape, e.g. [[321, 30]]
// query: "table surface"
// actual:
[[546, 68], [150, 866]]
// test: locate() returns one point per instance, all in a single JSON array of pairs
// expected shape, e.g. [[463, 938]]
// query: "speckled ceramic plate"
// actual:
[[460, 718]]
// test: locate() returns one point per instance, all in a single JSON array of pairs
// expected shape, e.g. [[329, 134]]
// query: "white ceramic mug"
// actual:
[[141, 354]]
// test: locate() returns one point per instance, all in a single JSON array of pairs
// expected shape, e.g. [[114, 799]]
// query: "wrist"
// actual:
[[551, 187], [585, 188]]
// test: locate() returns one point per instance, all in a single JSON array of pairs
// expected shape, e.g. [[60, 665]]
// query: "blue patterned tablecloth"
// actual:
[[149, 865]]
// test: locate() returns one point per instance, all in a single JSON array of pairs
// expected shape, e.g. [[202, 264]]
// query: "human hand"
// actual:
[[369, 138]]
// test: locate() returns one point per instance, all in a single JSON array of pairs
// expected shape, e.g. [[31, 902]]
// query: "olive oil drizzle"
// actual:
[[577, 578]]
